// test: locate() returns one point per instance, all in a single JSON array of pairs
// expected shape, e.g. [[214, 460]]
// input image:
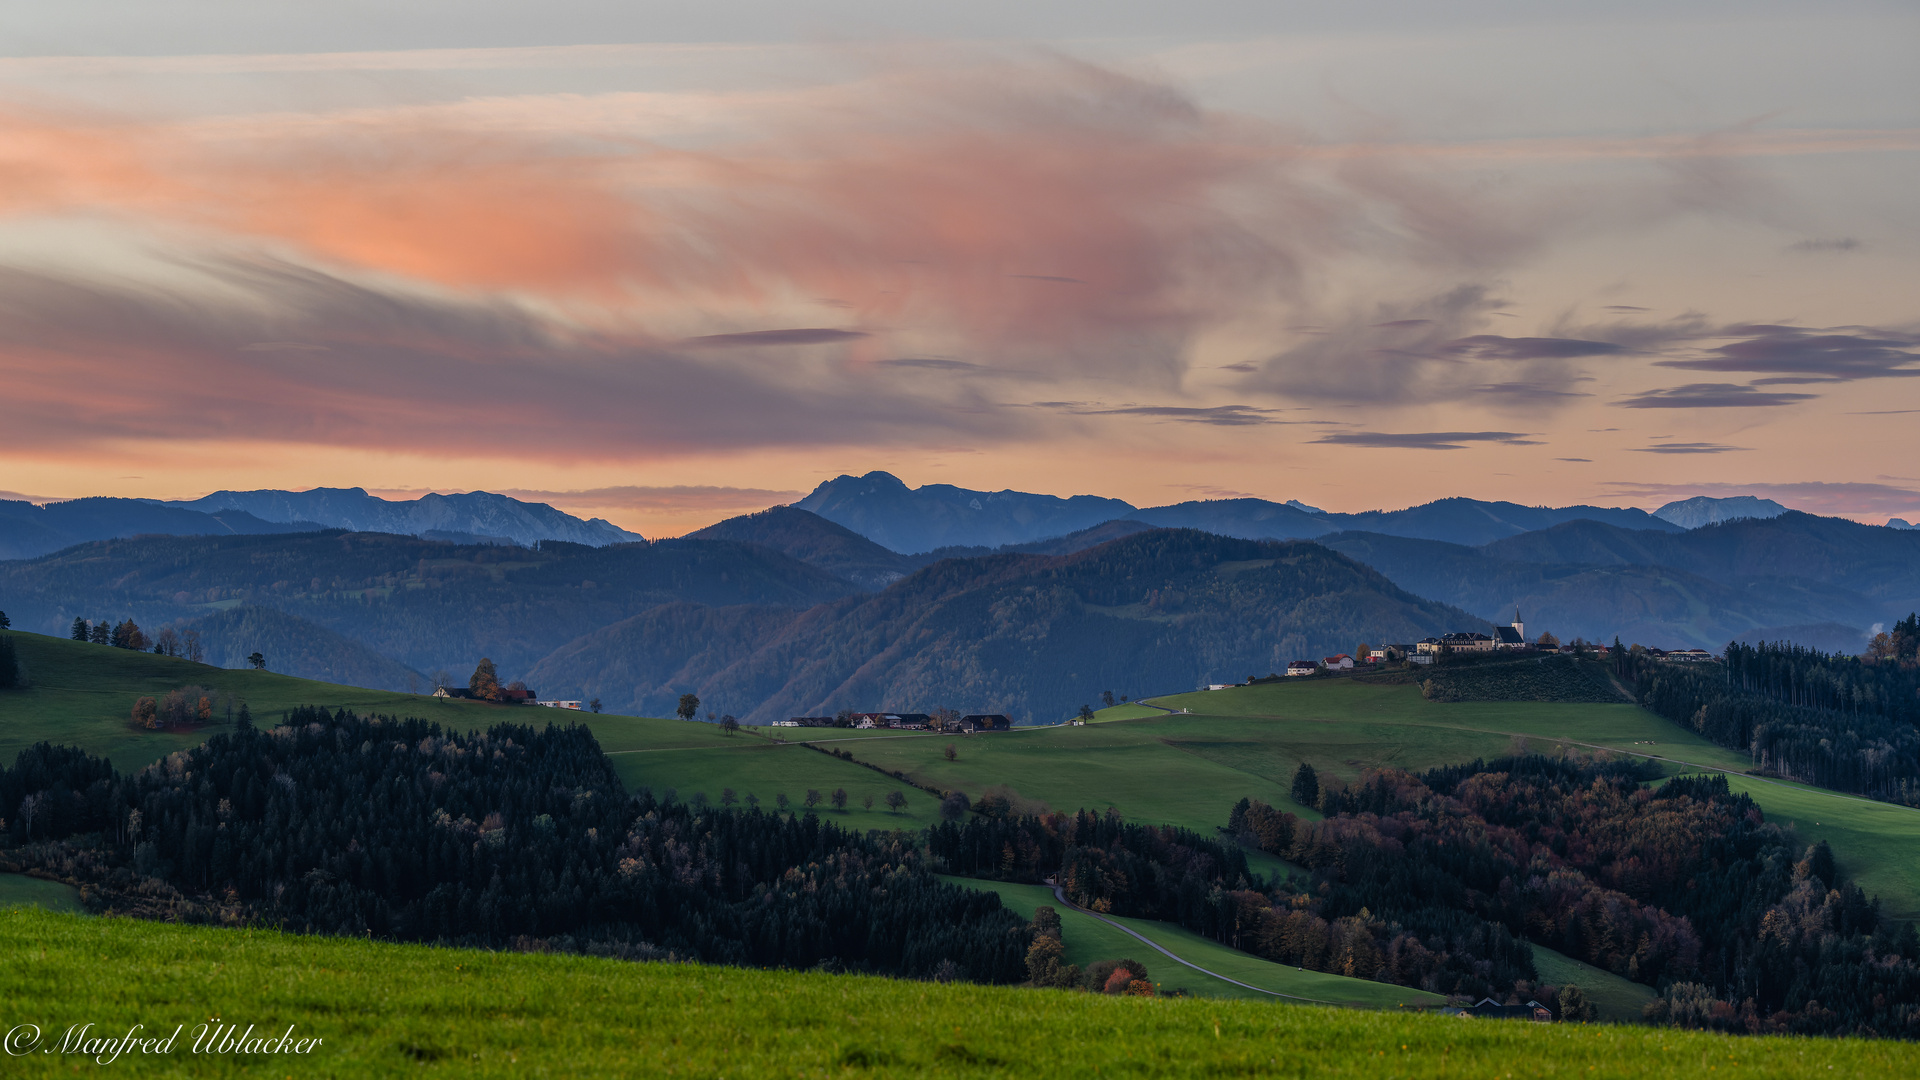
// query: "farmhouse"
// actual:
[[1342, 662], [985, 722], [574, 705], [458, 693], [1487, 1008], [1303, 667]]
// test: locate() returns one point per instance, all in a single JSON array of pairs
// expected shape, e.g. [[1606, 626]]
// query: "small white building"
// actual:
[[1343, 662], [1303, 667], [576, 706]]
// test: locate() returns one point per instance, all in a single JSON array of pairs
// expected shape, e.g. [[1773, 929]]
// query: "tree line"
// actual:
[[1842, 722], [1686, 887], [341, 824]]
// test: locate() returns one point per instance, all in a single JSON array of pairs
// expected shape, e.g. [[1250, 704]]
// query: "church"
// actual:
[[1513, 636]]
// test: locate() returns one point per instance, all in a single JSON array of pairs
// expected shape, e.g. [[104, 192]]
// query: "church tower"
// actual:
[[1518, 626]]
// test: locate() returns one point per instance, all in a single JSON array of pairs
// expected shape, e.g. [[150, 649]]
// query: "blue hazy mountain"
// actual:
[[885, 510], [476, 516], [28, 531], [1705, 510]]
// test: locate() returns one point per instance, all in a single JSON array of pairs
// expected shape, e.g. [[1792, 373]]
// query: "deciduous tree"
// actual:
[[689, 707], [485, 682]]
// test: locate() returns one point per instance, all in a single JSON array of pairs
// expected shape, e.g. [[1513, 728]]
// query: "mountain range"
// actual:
[[882, 508], [789, 610], [28, 531], [1032, 636]]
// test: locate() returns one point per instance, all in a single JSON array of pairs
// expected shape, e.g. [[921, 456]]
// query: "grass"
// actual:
[[695, 757], [393, 1010], [18, 889], [1617, 1000], [1087, 940], [82, 695]]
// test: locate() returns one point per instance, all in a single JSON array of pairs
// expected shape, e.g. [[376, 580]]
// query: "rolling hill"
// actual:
[[816, 541], [424, 604], [1033, 636]]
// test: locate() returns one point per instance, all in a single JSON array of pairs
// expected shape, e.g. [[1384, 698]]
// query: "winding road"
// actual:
[[1060, 894]]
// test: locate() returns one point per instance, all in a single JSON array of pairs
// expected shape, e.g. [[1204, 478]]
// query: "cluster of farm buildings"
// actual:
[[517, 694], [1509, 638], [867, 721]]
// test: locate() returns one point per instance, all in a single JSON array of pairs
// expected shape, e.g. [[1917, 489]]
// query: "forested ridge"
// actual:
[[1440, 881], [515, 837], [1032, 636], [425, 603], [1835, 720]]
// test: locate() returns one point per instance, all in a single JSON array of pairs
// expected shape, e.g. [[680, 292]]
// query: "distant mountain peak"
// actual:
[[1298, 505], [1707, 510]]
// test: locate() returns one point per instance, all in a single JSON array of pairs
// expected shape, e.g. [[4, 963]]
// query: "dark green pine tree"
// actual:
[[1306, 786], [81, 631]]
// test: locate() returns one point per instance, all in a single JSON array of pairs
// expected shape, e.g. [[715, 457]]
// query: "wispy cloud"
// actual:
[[763, 338], [1711, 396], [1839, 244], [1827, 355], [1495, 347], [1216, 415], [1424, 440], [1690, 448]]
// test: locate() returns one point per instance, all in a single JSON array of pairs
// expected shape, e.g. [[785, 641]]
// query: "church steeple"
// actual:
[[1519, 627]]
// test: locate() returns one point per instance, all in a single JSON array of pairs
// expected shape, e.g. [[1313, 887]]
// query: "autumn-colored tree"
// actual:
[[146, 713], [1574, 1006], [485, 682]]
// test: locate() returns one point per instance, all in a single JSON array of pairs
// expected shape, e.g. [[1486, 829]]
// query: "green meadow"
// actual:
[[1088, 939], [397, 1010], [17, 890], [82, 695], [691, 758]]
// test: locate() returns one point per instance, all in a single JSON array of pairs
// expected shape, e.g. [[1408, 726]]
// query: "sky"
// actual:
[[671, 262]]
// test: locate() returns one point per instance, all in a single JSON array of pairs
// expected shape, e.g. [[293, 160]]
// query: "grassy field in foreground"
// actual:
[[82, 695], [392, 1010], [1087, 939]]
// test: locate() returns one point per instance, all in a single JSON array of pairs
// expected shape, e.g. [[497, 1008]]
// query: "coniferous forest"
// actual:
[[516, 837], [1834, 720], [1440, 881]]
